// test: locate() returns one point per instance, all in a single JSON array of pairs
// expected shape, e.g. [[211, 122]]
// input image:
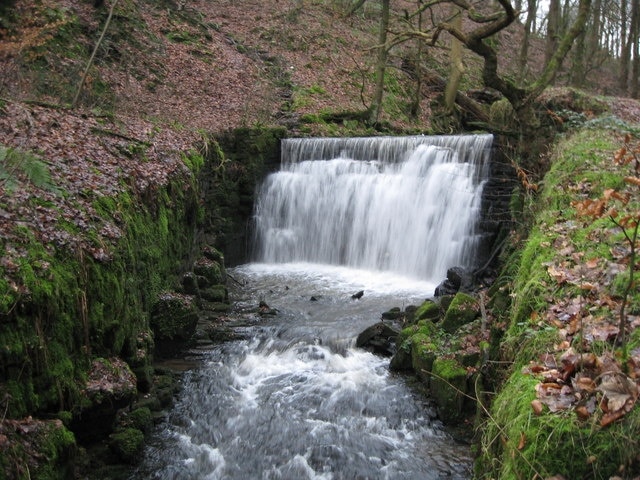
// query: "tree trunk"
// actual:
[[596, 27], [381, 65], [633, 39], [457, 67], [432, 78], [553, 29], [532, 7], [625, 47], [415, 104]]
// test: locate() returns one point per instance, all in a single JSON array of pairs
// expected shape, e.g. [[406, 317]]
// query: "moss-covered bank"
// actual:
[[558, 299], [64, 308]]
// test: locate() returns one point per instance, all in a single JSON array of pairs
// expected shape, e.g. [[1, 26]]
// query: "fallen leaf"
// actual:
[[582, 412], [558, 275], [537, 406], [619, 390]]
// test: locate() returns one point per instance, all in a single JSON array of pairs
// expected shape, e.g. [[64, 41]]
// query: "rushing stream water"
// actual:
[[294, 399]]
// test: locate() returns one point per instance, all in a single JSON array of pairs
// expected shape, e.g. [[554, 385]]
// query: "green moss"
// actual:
[[57, 446], [462, 310], [448, 386], [77, 305], [429, 310], [127, 444], [423, 354], [141, 419], [516, 443]]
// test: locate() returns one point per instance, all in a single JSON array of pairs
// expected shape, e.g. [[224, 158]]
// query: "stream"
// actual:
[[295, 399]]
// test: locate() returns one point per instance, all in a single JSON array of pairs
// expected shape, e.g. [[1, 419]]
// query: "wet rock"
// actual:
[[393, 314], [401, 360], [266, 310], [458, 279], [358, 295], [379, 338]]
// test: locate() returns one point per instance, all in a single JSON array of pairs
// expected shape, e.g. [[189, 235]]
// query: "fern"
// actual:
[[16, 165]]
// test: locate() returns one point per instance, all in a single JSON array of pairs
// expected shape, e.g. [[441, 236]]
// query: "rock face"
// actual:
[[198, 300]]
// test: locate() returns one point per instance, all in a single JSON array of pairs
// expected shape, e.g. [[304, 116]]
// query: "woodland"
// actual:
[[110, 109]]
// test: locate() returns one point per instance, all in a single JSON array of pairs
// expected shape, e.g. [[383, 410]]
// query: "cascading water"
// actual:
[[407, 205], [294, 399]]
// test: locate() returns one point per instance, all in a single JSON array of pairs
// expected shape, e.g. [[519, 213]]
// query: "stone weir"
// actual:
[[415, 205]]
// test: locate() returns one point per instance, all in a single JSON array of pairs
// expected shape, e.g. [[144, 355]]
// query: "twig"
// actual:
[[239, 283], [93, 54]]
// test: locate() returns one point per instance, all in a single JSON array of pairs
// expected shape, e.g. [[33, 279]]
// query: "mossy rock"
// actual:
[[173, 320], [127, 444], [448, 385], [215, 293], [463, 309], [212, 270], [141, 419], [402, 358], [429, 310], [394, 313], [213, 254], [423, 354]]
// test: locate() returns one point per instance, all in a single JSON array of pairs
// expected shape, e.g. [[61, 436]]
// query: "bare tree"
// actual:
[[484, 26]]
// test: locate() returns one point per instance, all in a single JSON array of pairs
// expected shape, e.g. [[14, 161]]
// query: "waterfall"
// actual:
[[408, 205]]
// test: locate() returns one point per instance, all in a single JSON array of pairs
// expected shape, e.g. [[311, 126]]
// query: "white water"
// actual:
[[406, 205], [295, 399]]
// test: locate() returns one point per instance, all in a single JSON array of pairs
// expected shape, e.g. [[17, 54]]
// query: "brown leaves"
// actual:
[[620, 395], [588, 384], [86, 162]]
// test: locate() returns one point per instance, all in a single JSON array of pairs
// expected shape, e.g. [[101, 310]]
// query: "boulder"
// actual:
[[215, 293], [429, 310], [393, 314], [127, 444], [211, 270], [448, 386], [189, 283], [379, 338], [458, 279]]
